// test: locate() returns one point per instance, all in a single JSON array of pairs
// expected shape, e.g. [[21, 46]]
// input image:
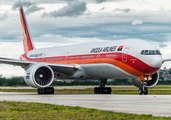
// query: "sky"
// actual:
[[65, 22]]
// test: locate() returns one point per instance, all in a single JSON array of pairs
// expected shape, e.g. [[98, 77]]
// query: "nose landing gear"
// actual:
[[143, 91], [144, 79]]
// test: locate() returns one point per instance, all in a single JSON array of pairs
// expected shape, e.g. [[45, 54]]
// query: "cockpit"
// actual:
[[150, 52]]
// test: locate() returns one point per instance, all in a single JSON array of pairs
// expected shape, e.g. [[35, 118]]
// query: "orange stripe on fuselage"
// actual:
[[128, 66], [116, 63]]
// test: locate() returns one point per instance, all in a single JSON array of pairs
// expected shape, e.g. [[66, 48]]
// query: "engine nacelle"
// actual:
[[150, 83], [39, 76]]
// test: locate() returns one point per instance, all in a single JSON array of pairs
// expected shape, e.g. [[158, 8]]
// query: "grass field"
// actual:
[[38, 111], [164, 90]]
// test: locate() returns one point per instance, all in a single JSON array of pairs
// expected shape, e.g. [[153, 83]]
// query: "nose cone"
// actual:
[[156, 61]]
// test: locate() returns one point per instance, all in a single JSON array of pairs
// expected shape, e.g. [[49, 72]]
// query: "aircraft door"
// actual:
[[124, 54], [98, 58], [66, 58]]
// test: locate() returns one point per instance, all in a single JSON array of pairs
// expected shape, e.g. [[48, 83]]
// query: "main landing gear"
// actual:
[[48, 90], [143, 90], [102, 89]]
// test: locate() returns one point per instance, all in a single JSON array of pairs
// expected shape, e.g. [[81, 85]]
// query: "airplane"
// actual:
[[135, 59]]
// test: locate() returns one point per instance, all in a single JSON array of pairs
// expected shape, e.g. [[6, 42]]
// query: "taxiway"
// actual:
[[157, 105]]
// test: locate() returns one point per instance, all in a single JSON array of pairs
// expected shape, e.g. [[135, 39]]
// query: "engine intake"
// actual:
[[39, 76]]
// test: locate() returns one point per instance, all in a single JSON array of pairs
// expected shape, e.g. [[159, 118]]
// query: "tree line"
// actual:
[[19, 81]]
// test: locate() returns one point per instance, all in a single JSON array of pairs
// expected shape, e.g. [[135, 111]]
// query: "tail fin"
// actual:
[[27, 42]]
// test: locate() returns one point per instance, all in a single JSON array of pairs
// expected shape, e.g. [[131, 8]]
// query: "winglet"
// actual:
[[27, 42]]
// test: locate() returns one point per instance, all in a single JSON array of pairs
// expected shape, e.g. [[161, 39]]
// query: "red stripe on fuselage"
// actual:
[[132, 64]]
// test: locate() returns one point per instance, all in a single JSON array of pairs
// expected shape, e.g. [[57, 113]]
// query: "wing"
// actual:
[[59, 68], [165, 60]]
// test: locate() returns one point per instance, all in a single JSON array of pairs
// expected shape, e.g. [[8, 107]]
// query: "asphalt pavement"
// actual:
[[157, 105]]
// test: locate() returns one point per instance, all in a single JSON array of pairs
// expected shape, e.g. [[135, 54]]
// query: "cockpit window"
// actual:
[[142, 52], [158, 52], [150, 52], [146, 52]]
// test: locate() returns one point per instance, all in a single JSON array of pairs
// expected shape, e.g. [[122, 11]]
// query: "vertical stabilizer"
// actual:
[[27, 42]]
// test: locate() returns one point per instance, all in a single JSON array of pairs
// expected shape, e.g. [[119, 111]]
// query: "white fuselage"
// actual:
[[110, 59]]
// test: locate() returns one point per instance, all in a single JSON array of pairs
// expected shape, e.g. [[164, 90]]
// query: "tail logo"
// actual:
[[25, 35], [27, 42]]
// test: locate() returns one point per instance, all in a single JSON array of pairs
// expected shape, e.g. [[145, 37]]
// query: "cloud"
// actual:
[[33, 9], [137, 22], [122, 10], [100, 1], [3, 17], [61, 40], [21, 4], [162, 45], [102, 9], [73, 9], [31, 6]]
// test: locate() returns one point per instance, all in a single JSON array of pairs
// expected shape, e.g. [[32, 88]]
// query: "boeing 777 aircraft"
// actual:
[[137, 60]]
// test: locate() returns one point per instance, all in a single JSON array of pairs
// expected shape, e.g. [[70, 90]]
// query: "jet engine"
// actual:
[[39, 76], [150, 83]]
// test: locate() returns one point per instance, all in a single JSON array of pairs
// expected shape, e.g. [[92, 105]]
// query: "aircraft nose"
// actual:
[[156, 61]]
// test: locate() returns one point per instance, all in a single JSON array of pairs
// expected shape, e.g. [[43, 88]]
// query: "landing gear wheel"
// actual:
[[95, 90], [48, 90], [102, 90], [38, 91], [145, 91], [140, 91], [98, 90], [109, 90]]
